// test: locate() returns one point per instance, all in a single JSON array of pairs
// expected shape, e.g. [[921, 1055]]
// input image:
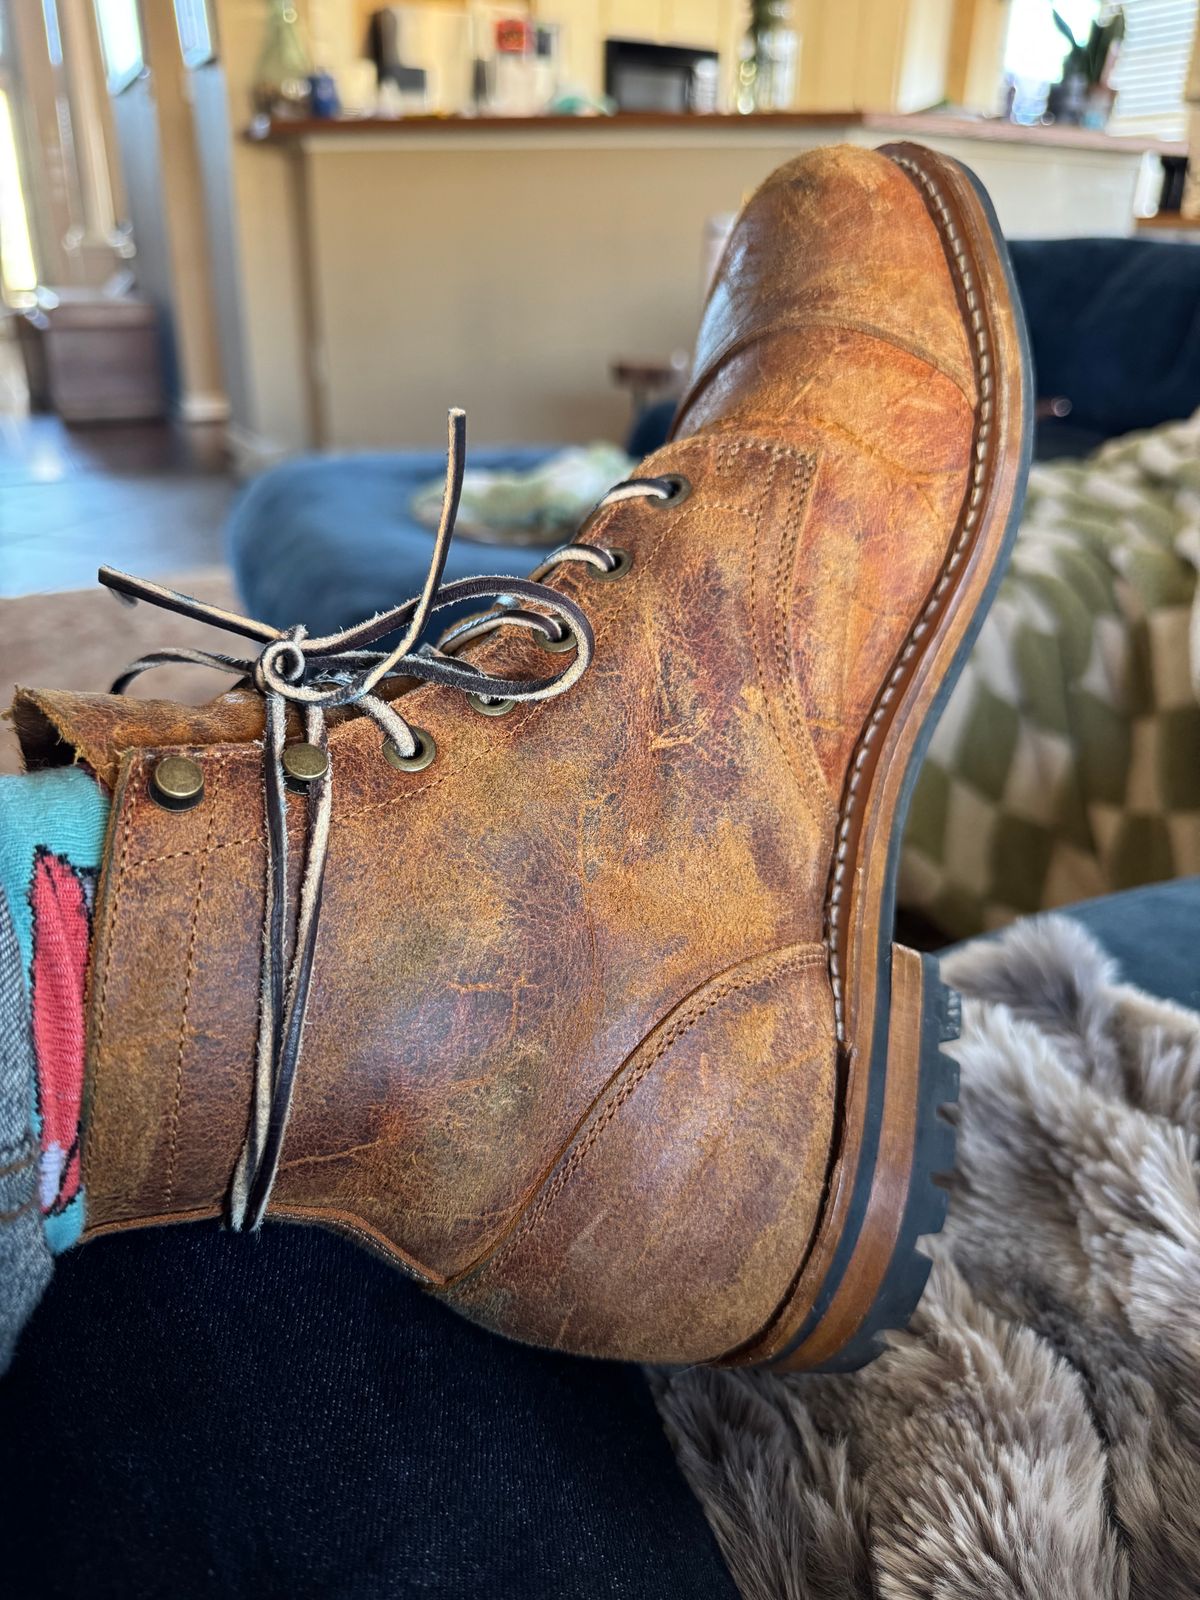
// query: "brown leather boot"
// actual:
[[604, 1035]]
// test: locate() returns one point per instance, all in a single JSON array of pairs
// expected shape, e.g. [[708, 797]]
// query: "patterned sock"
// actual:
[[52, 828]]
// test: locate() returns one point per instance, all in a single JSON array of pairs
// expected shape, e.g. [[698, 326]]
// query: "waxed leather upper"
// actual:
[[571, 1054]]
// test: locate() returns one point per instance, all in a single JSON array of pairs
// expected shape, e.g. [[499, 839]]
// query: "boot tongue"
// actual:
[[56, 727]]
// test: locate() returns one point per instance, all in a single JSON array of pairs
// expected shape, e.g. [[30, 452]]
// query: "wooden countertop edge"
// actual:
[[1168, 222], [289, 128], [292, 130]]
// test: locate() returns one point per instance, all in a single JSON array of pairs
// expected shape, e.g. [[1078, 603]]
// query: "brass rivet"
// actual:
[[491, 705], [177, 783], [304, 763], [424, 754], [557, 647], [622, 561]]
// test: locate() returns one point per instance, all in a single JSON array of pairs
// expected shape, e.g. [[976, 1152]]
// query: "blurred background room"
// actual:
[[253, 249]]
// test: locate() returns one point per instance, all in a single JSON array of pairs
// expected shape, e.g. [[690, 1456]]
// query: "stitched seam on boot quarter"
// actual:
[[810, 780], [114, 904], [762, 971], [814, 777], [182, 855], [193, 926], [802, 323], [980, 457]]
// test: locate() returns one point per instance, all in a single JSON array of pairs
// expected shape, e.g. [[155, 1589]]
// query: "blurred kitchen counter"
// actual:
[[927, 126], [500, 263]]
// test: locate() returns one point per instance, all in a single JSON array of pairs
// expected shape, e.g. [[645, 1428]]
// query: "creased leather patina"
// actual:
[[572, 1053]]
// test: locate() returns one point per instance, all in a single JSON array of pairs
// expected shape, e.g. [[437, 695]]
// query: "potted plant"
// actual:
[[1084, 94]]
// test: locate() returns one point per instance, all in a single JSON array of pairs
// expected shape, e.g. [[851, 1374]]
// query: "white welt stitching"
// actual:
[[838, 901]]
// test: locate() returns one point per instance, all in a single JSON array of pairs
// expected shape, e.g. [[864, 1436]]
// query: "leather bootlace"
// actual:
[[319, 675]]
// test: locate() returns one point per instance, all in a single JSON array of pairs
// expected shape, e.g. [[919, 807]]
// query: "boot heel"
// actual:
[[873, 1273], [932, 1147]]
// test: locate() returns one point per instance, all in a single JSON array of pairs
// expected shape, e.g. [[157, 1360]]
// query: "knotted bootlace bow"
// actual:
[[318, 676]]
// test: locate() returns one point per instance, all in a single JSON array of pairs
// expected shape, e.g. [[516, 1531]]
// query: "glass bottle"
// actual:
[[281, 78], [767, 61]]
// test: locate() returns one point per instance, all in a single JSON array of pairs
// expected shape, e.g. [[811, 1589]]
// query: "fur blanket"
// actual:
[[1036, 1433]]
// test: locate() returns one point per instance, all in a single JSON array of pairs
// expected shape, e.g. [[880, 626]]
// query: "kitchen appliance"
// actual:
[[659, 77], [402, 88]]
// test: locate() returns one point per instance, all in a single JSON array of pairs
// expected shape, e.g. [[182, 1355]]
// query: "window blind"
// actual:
[[1152, 71]]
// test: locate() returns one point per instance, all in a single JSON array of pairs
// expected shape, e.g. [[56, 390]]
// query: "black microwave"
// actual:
[[659, 77]]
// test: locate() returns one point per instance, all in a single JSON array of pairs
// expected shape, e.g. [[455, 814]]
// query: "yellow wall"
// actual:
[[976, 53], [924, 55], [896, 55]]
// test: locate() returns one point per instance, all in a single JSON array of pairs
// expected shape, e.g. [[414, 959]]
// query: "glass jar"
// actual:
[[767, 62], [281, 87]]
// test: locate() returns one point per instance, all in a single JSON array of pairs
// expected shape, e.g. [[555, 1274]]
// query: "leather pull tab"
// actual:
[[56, 727]]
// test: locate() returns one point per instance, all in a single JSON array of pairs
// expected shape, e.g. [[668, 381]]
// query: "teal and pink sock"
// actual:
[[52, 827]]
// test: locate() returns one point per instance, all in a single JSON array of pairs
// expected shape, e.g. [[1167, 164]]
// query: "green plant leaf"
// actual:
[[1061, 25]]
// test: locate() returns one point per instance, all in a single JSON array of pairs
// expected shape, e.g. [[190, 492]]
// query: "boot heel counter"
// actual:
[[675, 1223]]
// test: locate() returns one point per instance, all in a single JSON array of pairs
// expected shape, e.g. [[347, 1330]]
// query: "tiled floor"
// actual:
[[143, 497]]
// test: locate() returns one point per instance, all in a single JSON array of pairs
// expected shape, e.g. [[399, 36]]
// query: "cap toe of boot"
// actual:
[[839, 238]]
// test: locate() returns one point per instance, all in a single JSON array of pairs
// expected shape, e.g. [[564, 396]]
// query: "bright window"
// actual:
[[53, 32], [16, 251], [1034, 48], [1151, 70], [121, 41], [195, 29]]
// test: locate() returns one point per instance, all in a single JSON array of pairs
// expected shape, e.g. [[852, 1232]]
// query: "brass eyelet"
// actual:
[[490, 705], [622, 561], [421, 757], [680, 488], [557, 647]]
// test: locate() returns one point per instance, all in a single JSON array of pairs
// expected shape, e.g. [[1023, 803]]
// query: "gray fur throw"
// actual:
[[1036, 1433]]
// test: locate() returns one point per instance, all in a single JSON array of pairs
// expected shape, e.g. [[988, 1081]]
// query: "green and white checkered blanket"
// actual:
[[1067, 763]]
